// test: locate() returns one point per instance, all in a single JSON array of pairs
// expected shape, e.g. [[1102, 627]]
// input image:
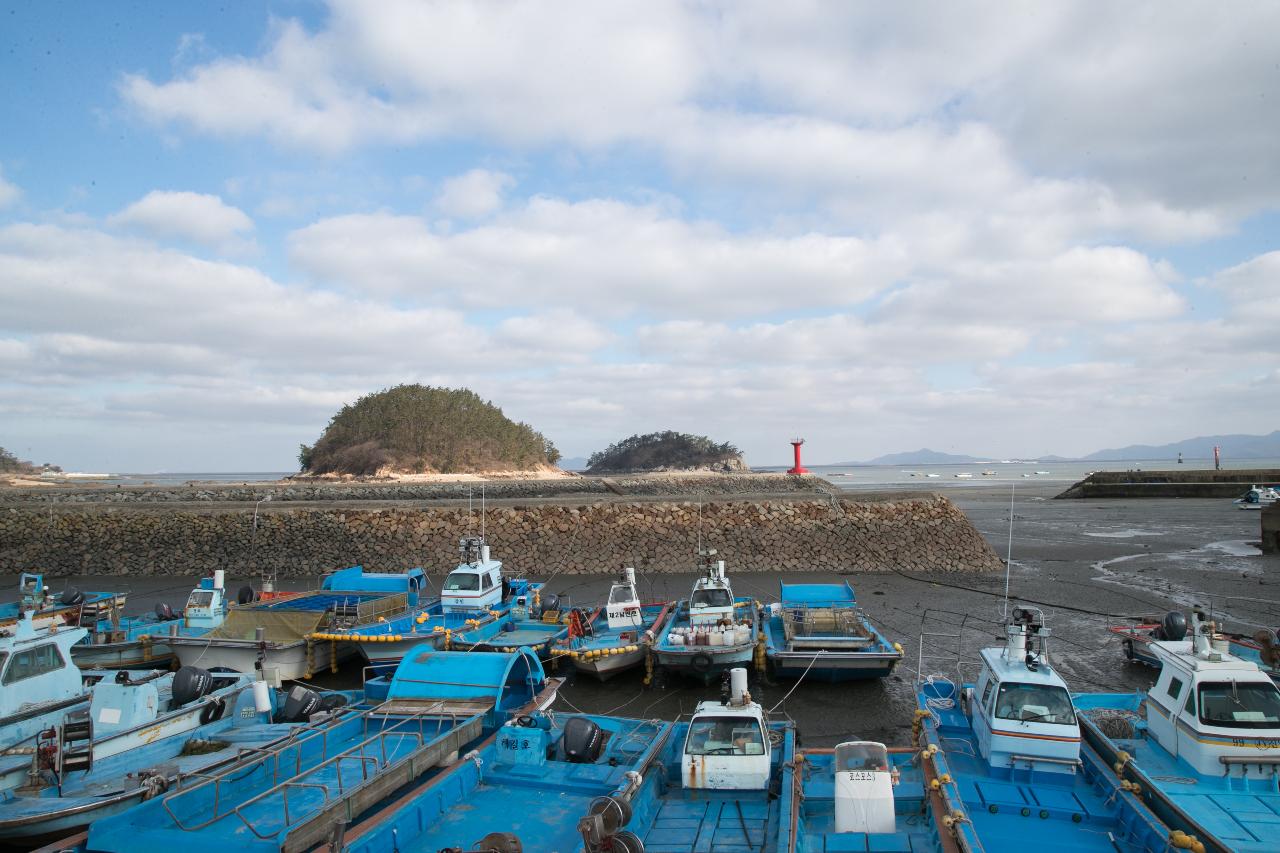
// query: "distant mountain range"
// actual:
[[1231, 447]]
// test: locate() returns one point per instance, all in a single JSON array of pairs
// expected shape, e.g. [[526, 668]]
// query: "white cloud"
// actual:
[[200, 218], [473, 194], [603, 255], [9, 193]]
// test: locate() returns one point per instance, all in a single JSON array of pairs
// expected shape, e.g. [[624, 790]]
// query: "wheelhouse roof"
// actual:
[[1005, 670], [1179, 654]]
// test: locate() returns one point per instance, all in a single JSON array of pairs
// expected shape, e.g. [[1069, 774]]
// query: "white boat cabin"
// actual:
[[1258, 497], [1215, 711], [711, 602], [207, 604], [623, 609], [727, 746], [37, 678], [863, 786], [476, 584], [1020, 709]]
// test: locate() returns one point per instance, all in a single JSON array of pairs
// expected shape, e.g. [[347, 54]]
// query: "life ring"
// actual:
[[212, 710], [700, 663], [1128, 648]]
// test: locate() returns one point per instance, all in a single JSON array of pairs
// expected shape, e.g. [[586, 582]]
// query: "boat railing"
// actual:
[[260, 756], [812, 619], [940, 646]]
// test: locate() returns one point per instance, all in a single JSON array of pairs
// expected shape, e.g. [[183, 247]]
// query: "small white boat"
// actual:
[[1042, 472], [1258, 497], [933, 475], [964, 475]]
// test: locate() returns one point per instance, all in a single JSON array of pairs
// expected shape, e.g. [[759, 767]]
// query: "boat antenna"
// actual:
[[699, 526], [1008, 559], [471, 513], [482, 510]]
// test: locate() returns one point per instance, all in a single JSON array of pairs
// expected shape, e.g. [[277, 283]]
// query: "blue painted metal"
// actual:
[[605, 651], [808, 810], [1008, 808], [39, 685], [817, 631], [706, 663], [521, 781], [47, 608]]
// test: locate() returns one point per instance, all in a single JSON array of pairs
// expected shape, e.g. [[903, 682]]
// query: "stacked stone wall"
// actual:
[[926, 533]]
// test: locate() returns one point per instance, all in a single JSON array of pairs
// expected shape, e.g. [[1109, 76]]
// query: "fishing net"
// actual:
[[1115, 723]]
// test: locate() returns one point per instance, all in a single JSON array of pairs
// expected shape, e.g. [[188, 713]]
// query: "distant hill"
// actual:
[[666, 451], [1232, 446], [415, 429], [923, 456]]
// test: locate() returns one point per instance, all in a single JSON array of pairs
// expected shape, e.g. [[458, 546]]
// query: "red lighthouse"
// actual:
[[798, 469]]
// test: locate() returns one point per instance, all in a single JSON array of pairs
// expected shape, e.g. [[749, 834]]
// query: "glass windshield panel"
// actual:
[[1240, 706], [1036, 703], [200, 598], [462, 581], [621, 594], [33, 662], [862, 756], [725, 736], [712, 598]]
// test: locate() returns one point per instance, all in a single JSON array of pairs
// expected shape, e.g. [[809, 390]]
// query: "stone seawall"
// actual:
[[1170, 484], [925, 533]]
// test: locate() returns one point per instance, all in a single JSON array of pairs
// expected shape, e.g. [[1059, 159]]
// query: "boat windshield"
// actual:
[[200, 598], [725, 736], [711, 598], [622, 594], [1035, 703], [462, 581], [1255, 705], [861, 756]]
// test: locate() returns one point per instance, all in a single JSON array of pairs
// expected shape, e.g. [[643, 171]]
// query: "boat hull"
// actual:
[[833, 666], [281, 662], [607, 666], [131, 654], [703, 663]]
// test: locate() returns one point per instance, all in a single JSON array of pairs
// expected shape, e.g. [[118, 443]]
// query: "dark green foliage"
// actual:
[[9, 462], [417, 429], [662, 450]]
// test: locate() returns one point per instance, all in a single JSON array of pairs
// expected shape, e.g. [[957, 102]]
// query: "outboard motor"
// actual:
[[163, 611], [583, 741], [300, 704], [1172, 627], [550, 602], [71, 595], [246, 595], [189, 684]]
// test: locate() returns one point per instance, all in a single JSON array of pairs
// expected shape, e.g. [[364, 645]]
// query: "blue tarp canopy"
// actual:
[[509, 679], [817, 594]]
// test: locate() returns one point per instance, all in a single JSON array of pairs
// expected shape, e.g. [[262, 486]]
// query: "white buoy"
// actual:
[[219, 579], [261, 697], [737, 684]]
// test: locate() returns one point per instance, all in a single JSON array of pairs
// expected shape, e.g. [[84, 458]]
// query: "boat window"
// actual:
[[986, 692], [1254, 705], [725, 736], [200, 598], [33, 662], [1038, 703], [1190, 707], [711, 598], [485, 582], [462, 580], [1175, 688], [861, 756], [621, 594]]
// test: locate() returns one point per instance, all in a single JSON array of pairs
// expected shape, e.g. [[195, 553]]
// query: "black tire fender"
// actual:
[[1128, 648], [700, 663], [212, 710]]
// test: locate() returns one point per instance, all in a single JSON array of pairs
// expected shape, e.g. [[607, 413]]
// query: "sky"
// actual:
[[1006, 229]]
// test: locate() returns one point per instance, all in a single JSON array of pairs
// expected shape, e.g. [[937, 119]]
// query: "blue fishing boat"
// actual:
[[276, 636], [1202, 746], [518, 628], [140, 642], [615, 637], [39, 686], [474, 593], [1006, 755], [863, 796], [711, 631], [70, 607], [1136, 641], [301, 790], [567, 782], [817, 631]]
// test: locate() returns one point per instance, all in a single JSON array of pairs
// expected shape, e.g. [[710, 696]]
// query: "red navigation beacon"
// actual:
[[798, 469]]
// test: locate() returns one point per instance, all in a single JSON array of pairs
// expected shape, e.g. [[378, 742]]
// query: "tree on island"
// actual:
[[10, 464], [415, 429], [666, 451]]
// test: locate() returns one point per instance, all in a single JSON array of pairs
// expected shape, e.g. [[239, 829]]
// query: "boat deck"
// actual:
[[816, 828]]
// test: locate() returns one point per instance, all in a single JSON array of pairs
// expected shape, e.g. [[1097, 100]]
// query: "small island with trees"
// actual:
[[667, 452], [418, 429]]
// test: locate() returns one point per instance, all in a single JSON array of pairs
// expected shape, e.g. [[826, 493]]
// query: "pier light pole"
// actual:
[[798, 469], [255, 515]]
